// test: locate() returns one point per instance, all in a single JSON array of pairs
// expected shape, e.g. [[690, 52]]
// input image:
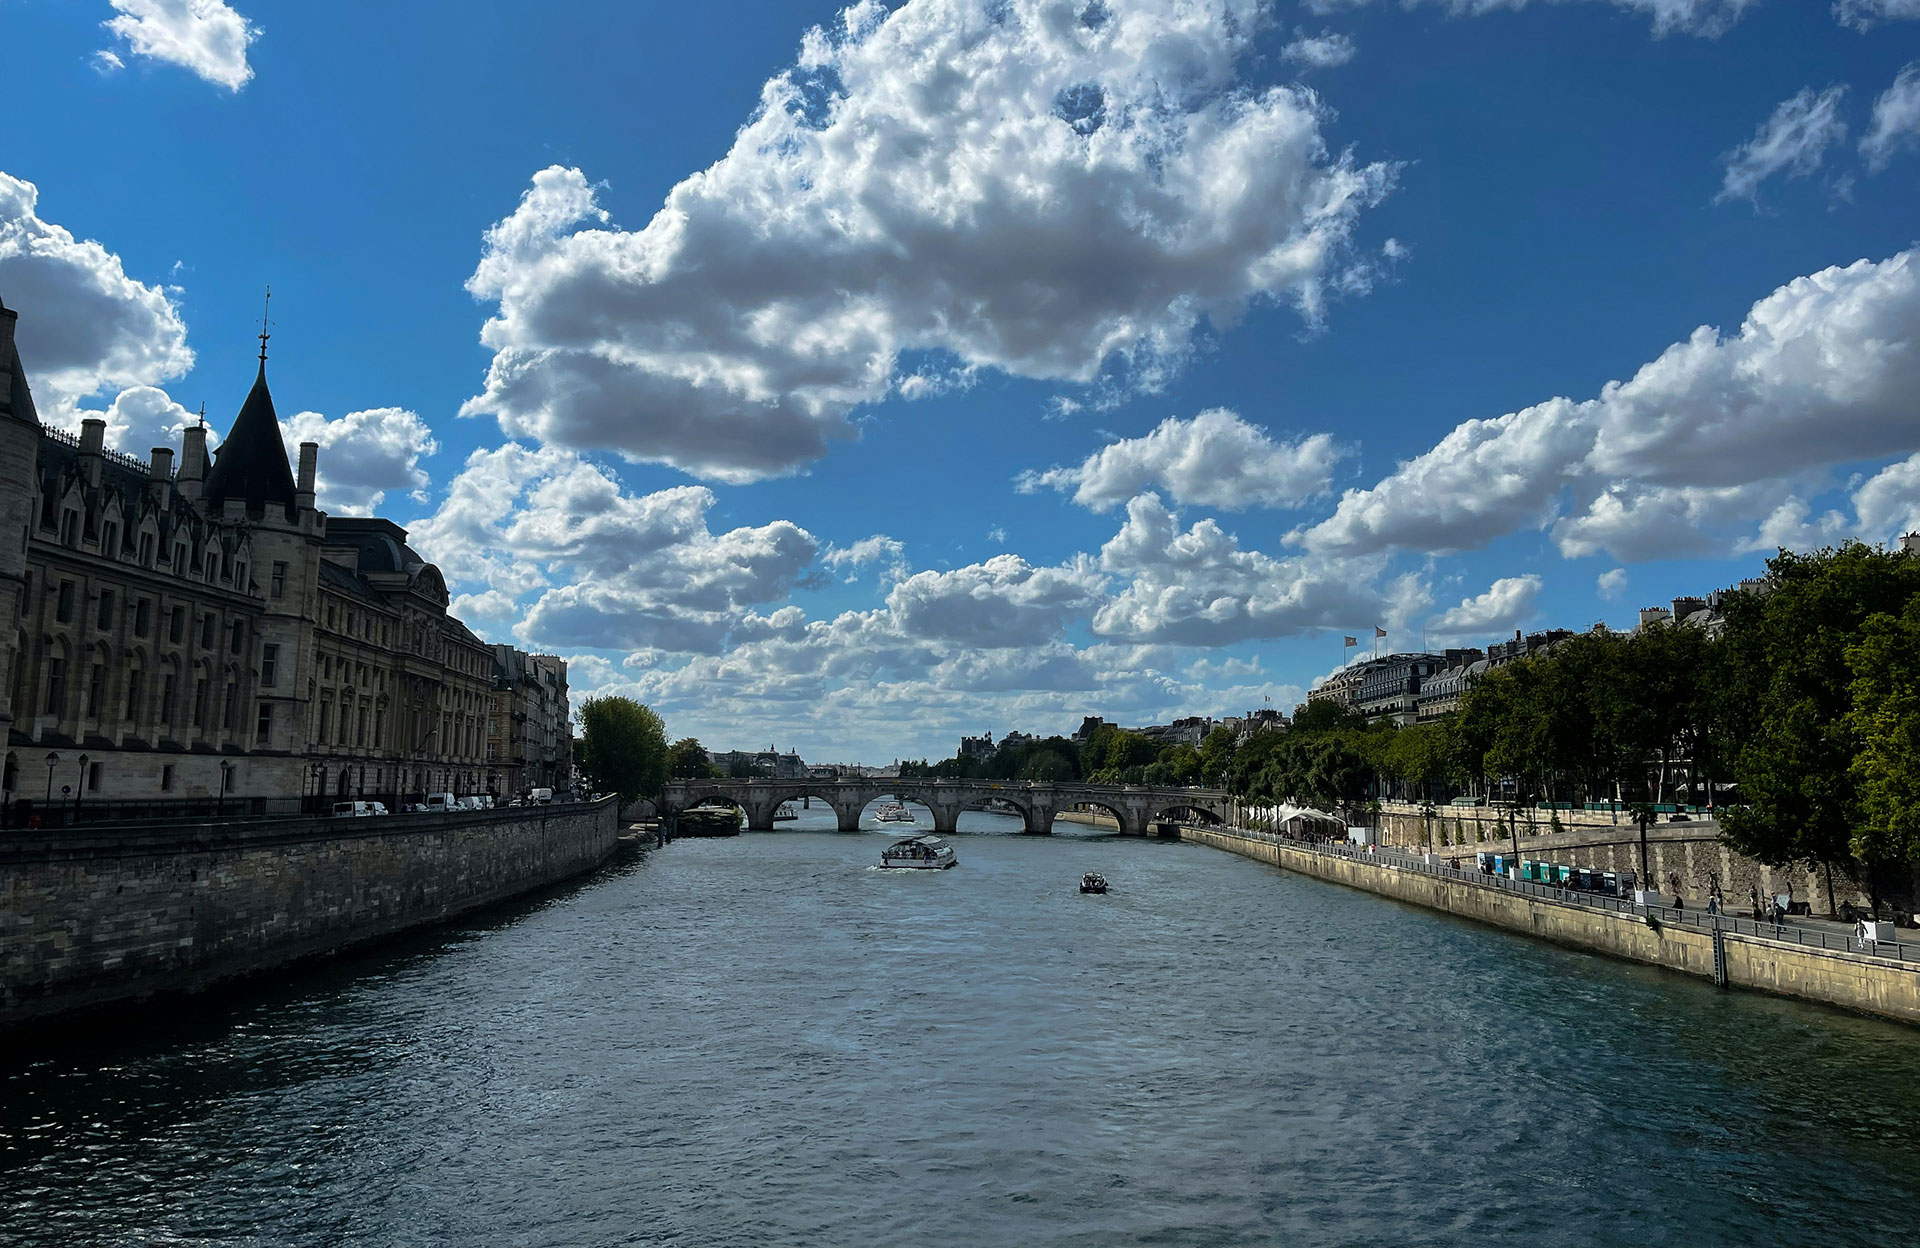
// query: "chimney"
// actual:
[[309, 466], [160, 474], [193, 462], [93, 440]]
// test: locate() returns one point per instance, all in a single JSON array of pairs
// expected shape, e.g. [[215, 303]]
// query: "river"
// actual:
[[765, 1040]]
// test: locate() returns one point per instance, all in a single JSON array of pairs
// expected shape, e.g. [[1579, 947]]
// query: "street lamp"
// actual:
[[53, 760], [79, 787]]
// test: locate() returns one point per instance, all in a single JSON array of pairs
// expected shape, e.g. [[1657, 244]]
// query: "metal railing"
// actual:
[[1786, 932]]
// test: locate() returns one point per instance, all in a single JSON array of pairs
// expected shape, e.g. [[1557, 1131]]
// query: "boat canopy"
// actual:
[[931, 842]]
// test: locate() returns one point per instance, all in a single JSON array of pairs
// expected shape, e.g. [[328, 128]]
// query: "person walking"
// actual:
[[1713, 895], [1753, 893]]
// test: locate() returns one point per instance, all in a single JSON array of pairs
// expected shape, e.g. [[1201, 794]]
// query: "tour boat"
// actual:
[[928, 853], [786, 812], [1092, 883], [894, 812]]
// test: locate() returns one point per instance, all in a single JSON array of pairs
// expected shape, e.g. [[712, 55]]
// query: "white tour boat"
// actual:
[[894, 812], [928, 853], [786, 812]]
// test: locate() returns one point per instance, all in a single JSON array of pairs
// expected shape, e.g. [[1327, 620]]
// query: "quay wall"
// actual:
[[95, 917], [1869, 985]]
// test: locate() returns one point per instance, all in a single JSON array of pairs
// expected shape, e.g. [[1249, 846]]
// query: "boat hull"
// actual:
[[918, 864]]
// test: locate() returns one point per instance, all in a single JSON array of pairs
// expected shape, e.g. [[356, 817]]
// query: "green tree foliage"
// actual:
[[1793, 733], [1885, 719], [1216, 755], [623, 747], [1327, 716], [687, 759]]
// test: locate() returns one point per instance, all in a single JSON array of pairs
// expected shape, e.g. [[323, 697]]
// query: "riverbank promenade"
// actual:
[[1809, 959]]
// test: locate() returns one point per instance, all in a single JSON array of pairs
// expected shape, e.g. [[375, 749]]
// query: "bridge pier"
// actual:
[[847, 815], [760, 816]]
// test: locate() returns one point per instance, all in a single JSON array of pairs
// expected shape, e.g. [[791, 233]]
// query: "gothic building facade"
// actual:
[[180, 633]]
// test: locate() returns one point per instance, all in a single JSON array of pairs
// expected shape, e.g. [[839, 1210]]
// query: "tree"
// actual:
[[687, 760], [1796, 738], [1216, 755], [1885, 718], [623, 747], [1046, 766], [1325, 715]]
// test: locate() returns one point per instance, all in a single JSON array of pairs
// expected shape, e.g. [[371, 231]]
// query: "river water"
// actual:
[[765, 1040]]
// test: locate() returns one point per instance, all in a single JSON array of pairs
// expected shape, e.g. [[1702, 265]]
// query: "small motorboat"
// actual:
[[894, 812], [1093, 882], [926, 853]]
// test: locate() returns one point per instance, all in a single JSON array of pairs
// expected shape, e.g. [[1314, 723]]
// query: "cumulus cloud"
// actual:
[[365, 455], [85, 326], [143, 417], [1322, 51], [1822, 372], [1896, 119], [1862, 14], [1049, 189], [1794, 141], [594, 566], [1197, 586], [1507, 604], [1005, 601], [204, 36], [1884, 506], [1707, 18], [880, 551], [1611, 584], [1216, 460]]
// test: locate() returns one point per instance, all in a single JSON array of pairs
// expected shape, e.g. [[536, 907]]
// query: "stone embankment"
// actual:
[[95, 917], [1723, 954]]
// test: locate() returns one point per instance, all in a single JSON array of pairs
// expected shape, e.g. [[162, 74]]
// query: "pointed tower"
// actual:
[[251, 464], [19, 466]]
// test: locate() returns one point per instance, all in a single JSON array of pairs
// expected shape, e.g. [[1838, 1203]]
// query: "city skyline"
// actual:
[[1398, 322]]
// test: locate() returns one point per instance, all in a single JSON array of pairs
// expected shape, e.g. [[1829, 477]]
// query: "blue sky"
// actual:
[[848, 380]]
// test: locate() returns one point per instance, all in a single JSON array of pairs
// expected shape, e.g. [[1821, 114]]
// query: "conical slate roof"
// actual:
[[252, 462], [19, 399]]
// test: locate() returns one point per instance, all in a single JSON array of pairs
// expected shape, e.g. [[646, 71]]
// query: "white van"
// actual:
[[541, 797], [441, 803], [355, 810]]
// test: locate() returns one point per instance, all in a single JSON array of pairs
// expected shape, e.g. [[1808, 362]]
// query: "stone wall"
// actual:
[[1691, 850], [1870, 985], [98, 916]]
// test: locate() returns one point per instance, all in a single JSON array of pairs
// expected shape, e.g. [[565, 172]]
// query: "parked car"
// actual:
[[541, 797]]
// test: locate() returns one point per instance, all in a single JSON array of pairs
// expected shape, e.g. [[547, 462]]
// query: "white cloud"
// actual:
[[880, 551], [143, 417], [1707, 18], [594, 566], [1822, 372], [1793, 140], [1003, 602], [204, 36], [1896, 119], [85, 327], [998, 185], [1507, 604], [1198, 587], [1611, 584], [1322, 51], [1214, 460], [997, 535], [1885, 506], [1861, 14], [106, 62], [364, 455]]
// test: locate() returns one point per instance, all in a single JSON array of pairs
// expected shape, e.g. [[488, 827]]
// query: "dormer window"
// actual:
[[69, 527], [110, 543], [146, 549]]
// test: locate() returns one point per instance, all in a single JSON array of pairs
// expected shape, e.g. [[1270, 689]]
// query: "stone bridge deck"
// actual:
[[1136, 808]]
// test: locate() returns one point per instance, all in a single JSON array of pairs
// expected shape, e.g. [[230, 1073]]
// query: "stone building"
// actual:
[[529, 725], [203, 633]]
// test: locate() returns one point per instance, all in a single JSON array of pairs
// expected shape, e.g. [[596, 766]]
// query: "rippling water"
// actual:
[[764, 1040]]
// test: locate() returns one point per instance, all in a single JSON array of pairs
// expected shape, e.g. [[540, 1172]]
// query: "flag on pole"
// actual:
[[1351, 641], [1378, 631]]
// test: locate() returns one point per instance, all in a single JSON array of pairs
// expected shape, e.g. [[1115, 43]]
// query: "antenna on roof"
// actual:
[[264, 335]]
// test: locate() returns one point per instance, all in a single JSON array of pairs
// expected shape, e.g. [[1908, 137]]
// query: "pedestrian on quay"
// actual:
[[1713, 895], [1753, 892]]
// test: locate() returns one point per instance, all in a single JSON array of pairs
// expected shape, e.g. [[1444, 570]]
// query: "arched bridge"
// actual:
[[1137, 808]]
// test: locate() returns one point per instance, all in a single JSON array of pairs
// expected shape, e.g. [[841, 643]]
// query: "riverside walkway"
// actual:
[[1811, 932], [1800, 959]]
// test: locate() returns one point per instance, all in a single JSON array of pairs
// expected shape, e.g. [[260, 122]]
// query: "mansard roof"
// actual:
[[16, 399], [251, 463]]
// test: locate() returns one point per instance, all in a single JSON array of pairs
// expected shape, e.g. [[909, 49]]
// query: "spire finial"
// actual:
[[264, 335], [203, 413]]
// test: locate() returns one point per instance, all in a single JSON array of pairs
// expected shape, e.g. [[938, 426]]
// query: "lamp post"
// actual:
[[79, 787], [220, 802], [53, 760]]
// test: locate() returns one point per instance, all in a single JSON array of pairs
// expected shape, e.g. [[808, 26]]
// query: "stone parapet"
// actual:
[[1870, 985], [103, 916]]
